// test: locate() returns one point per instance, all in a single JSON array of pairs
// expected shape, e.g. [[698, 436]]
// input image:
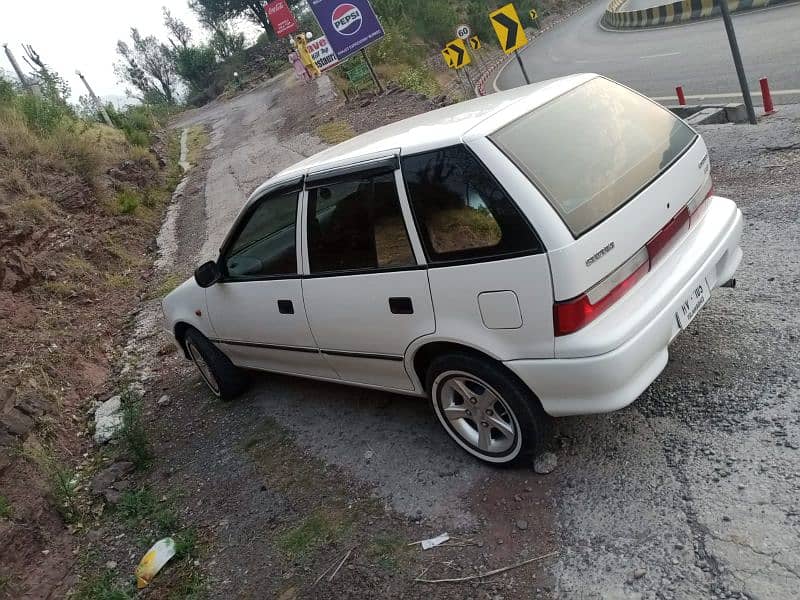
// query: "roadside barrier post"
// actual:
[[767, 97], [681, 97]]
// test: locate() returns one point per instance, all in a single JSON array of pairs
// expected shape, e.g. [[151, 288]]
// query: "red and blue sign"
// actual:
[[349, 26]]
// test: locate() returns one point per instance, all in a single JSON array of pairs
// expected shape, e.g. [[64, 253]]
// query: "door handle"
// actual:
[[401, 306], [285, 307]]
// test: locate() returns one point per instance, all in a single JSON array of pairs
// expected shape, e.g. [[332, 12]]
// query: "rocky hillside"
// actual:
[[79, 208]]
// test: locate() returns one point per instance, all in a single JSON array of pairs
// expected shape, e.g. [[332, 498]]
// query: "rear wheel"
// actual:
[[224, 379], [485, 409]]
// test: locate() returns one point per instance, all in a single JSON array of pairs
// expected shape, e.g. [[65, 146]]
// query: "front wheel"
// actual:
[[485, 409], [224, 379]]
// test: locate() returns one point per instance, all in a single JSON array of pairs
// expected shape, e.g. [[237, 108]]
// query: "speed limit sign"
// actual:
[[463, 32]]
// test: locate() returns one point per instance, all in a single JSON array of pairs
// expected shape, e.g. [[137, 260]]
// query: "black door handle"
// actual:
[[285, 307], [401, 306]]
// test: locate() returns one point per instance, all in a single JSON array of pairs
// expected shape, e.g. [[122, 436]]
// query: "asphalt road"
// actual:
[[654, 61]]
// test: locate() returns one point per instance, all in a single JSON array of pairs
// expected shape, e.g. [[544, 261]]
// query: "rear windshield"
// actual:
[[592, 149]]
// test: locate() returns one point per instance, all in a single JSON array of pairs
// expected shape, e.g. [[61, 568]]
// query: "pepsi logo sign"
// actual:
[[346, 19]]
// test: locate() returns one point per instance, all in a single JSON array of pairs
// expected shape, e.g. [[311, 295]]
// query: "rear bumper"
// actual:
[[613, 380]]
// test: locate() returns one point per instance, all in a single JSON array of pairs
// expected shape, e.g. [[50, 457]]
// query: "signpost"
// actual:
[[350, 27], [475, 42], [463, 32], [457, 50], [510, 33], [737, 61], [280, 17], [535, 18], [322, 53]]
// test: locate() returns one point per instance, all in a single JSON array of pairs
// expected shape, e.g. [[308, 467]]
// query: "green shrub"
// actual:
[[128, 201], [41, 115], [133, 430], [420, 80]]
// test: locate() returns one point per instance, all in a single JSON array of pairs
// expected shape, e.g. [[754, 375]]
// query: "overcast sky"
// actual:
[[83, 34]]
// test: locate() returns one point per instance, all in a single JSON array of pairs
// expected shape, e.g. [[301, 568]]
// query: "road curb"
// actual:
[[675, 13], [480, 85]]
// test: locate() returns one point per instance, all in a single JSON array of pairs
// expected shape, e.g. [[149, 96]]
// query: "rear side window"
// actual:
[[594, 148], [355, 223], [461, 211]]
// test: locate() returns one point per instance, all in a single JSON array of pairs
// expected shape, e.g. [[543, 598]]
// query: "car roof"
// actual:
[[434, 129]]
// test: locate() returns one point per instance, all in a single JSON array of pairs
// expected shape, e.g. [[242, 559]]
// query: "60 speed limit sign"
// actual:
[[463, 32]]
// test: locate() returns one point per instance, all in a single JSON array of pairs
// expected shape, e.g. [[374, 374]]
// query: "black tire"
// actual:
[[518, 408], [224, 379]]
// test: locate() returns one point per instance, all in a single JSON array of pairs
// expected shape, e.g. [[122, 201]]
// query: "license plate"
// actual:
[[692, 303]]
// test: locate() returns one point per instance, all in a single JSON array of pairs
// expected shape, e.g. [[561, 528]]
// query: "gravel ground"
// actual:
[[689, 493]]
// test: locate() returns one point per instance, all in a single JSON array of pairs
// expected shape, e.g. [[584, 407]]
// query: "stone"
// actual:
[[639, 573], [109, 476], [545, 463], [163, 401], [112, 496], [111, 565], [15, 422], [522, 524], [107, 420]]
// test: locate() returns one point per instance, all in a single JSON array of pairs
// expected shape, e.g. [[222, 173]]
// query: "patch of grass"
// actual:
[[419, 79], [119, 281], [35, 210], [62, 289], [185, 544], [128, 200], [316, 530], [196, 141], [140, 507], [388, 551], [5, 584], [169, 283], [335, 132], [78, 267], [100, 587], [5, 508], [62, 480], [133, 432], [137, 506]]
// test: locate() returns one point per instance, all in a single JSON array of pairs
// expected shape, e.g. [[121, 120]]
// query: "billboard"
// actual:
[[322, 53], [349, 26], [280, 17]]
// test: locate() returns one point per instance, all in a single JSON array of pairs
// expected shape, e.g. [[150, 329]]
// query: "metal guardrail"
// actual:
[[674, 13]]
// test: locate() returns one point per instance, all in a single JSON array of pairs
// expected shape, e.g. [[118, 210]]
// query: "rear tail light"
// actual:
[[575, 314], [572, 315], [697, 206]]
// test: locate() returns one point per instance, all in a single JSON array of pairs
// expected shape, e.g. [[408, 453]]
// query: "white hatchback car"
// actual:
[[526, 254]]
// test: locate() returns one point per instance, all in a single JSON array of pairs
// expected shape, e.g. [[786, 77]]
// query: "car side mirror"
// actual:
[[207, 274]]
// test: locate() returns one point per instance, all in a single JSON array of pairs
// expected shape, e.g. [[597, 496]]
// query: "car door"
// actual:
[[257, 309], [365, 291]]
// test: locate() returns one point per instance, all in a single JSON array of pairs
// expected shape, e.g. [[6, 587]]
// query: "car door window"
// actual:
[[356, 224], [461, 210], [265, 244]]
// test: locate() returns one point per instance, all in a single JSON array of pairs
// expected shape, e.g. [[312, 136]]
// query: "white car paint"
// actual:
[[500, 307]]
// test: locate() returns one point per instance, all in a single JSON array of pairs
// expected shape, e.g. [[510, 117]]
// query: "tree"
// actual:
[[177, 28], [226, 42], [196, 64], [148, 66], [212, 13], [52, 85]]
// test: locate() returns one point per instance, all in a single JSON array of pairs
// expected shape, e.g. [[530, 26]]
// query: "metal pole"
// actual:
[[372, 71], [23, 80], [737, 61], [471, 85], [521, 66], [97, 104]]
